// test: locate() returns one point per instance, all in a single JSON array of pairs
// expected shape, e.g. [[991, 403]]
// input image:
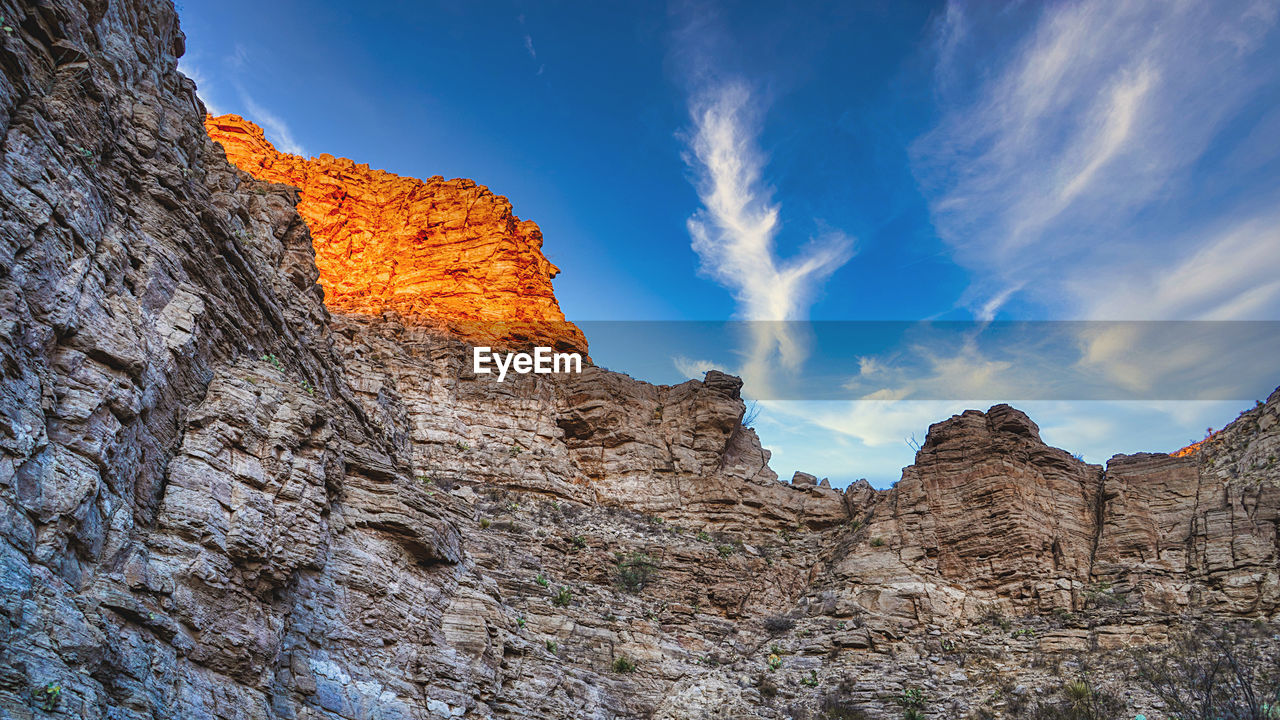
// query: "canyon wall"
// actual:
[[226, 494], [448, 253]]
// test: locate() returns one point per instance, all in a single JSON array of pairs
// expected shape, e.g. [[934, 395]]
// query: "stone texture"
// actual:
[[989, 503], [448, 253], [219, 500], [1199, 529]]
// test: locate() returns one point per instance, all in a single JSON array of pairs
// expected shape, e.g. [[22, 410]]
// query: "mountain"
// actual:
[[243, 474], [448, 253]]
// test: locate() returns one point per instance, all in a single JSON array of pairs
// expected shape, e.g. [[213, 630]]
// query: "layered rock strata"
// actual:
[[448, 253], [218, 499]]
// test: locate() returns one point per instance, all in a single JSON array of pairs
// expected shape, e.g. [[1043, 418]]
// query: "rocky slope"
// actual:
[[446, 252], [221, 499]]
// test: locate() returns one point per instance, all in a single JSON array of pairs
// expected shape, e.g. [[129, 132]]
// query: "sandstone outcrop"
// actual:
[[448, 253], [1200, 530], [220, 498]]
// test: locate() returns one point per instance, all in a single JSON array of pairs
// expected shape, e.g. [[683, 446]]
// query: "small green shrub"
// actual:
[[725, 550], [1079, 700], [624, 664], [542, 580], [636, 571], [811, 680], [562, 597], [551, 646], [877, 542], [834, 707], [991, 615], [703, 536], [485, 523], [912, 698], [579, 541], [774, 661], [47, 696], [1104, 595]]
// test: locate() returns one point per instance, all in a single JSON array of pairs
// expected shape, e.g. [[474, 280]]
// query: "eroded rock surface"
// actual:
[[218, 499], [448, 253]]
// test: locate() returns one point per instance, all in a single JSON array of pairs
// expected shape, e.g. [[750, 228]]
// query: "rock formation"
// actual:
[[445, 252], [220, 498]]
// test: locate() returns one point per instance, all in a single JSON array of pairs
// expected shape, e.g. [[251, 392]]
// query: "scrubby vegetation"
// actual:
[[636, 571], [1079, 700], [1212, 672], [47, 697], [778, 624]]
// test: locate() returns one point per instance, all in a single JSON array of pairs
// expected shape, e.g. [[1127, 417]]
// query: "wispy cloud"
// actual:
[[221, 83], [204, 85], [693, 368], [277, 130], [735, 232], [1079, 160], [528, 46]]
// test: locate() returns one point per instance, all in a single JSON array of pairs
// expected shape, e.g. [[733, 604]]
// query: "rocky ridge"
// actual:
[[220, 498], [448, 253]]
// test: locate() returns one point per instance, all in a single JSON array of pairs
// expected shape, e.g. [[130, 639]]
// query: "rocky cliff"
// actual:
[[221, 498], [448, 253]]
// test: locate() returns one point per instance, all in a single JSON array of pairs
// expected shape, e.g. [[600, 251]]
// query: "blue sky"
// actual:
[[844, 161]]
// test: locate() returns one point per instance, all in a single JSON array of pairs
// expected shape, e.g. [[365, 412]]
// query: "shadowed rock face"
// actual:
[[448, 253], [220, 500]]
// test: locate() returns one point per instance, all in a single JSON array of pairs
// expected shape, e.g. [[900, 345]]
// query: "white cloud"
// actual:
[[874, 439], [277, 131], [1065, 170], [735, 232], [204, 86], [692, 368], [230, 70], [1227, 274], [1064, 175]]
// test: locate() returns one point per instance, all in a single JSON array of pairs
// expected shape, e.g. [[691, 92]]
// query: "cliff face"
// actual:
[[220, 498], [448, 253]]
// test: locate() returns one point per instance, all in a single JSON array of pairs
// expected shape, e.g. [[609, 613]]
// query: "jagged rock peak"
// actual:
[[1000, 423], [447, 253]]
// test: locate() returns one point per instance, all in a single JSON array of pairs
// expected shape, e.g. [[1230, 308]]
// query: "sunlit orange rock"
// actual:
[[448, 253], [1195, 447]]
